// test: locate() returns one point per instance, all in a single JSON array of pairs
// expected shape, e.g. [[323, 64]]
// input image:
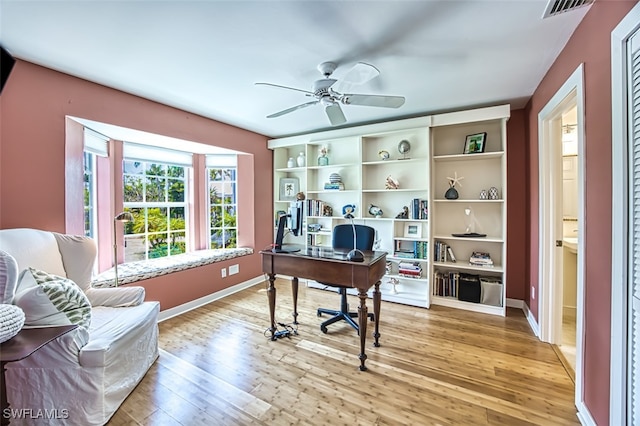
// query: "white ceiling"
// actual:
[[205, 56]]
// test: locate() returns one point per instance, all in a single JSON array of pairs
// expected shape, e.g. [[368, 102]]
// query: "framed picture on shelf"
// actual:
[[412, 230], [289, 187], [474, 144]]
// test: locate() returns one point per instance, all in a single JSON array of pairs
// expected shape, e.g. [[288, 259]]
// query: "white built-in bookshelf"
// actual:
[[437, 142]]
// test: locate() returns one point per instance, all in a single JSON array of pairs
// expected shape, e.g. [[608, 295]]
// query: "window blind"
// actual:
[[95, 142], [154, 154], [221, 160]]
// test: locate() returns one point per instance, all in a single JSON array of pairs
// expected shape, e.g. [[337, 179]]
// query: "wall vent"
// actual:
[[556, 7]]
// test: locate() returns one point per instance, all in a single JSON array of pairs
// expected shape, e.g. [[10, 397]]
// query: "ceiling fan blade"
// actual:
[[374, 100], [360, 73], [288, 110], [284, 87], [335, 114]]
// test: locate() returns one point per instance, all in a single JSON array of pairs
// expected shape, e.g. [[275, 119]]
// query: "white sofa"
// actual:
[[87, 373]]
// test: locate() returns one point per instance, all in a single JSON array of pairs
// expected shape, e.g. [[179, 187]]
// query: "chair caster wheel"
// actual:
[[324, 329], [319, 314]]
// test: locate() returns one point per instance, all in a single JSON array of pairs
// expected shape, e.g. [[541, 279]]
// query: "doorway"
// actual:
[[561, 216]]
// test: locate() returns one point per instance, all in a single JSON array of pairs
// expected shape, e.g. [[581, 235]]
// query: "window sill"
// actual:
[[144, 269]]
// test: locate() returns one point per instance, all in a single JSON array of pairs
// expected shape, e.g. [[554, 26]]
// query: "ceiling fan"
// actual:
[[325, 91]]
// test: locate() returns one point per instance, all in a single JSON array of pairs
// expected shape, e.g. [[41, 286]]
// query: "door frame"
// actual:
[[550, 221], [618, 401]]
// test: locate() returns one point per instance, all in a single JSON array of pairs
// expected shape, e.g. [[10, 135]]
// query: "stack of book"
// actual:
[[409, 269], [479, 258], [338, 186]]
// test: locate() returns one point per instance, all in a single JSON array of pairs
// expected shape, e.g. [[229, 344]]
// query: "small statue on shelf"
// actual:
[[404, 214], [348, 210], [394, 282], [327, 210], [300, 196], [375, 211], [391, 183], [452, 192]]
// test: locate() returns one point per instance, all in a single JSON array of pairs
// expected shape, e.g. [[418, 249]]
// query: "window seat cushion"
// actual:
[[143, 269]]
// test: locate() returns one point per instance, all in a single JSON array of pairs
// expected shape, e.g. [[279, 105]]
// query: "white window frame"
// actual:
[[145, 205], [222, 162]]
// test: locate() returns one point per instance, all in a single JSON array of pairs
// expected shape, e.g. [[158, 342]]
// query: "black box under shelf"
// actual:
[[469, 289]]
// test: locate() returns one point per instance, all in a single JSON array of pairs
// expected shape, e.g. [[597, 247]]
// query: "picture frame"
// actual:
[[474, 144], [412, 230], [289, 187]]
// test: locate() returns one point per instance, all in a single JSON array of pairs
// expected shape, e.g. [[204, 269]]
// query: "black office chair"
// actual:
[[343, 240]]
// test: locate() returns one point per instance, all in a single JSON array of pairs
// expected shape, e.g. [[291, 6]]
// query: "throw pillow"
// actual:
[[8, 277], [48, 300]]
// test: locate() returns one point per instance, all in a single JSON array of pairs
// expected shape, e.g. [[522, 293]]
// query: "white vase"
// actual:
[[291, 163], [301, 160]]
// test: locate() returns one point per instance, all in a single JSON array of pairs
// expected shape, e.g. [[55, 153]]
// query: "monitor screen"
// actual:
[[293, 221], [295, 217]]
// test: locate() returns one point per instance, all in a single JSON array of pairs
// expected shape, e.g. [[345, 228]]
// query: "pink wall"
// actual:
[[516, 212], [591, 45], [34, 106]]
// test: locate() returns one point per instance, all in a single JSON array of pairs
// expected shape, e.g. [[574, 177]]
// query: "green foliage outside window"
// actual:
[[163, 229]]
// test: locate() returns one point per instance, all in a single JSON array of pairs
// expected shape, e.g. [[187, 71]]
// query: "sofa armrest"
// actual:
[[118, 297]]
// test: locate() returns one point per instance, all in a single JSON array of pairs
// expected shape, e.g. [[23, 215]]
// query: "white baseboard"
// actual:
[[186, 307], [515, 303], [584, 415], [532, 321]]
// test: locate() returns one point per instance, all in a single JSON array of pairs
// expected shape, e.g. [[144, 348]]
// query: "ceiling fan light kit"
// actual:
[[325, 94]]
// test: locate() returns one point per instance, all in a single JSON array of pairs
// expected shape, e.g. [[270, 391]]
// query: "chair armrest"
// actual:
[[119, 297]]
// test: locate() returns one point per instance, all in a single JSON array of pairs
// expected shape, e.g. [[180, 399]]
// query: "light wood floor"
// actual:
[[439, 366]]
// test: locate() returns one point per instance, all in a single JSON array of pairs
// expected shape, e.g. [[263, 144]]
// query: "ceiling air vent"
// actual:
[[556, 7]]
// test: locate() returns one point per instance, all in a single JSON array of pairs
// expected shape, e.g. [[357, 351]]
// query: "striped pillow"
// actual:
[[49, 300]]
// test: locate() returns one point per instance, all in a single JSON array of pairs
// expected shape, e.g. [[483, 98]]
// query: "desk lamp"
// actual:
[[122, 217]]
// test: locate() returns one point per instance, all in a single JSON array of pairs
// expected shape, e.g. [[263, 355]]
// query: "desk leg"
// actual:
[[362, 324], [377, 297], [294, 292], [271, 294]]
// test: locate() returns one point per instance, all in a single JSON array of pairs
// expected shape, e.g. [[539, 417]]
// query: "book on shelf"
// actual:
[[411, 249], [339, 186], [445, 284], [443, 252], [404, 254], [409, 265], [452, 257], [480, 259], [419, 209]]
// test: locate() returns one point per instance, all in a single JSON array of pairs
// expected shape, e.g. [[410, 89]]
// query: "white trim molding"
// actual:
[[194, 304], [550, 227], [619, 254]]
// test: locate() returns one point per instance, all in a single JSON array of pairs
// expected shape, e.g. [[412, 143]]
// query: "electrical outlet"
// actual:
[[533, 292], [223, 272], [234, 269]]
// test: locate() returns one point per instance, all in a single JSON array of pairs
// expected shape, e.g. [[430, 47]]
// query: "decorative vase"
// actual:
[[483, 194], [493, 193], [301, 160], [291, 163], [323, 160], [451, 194]]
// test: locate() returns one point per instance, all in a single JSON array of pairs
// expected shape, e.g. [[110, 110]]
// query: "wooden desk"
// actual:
[[327, 266], [20, 346]]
